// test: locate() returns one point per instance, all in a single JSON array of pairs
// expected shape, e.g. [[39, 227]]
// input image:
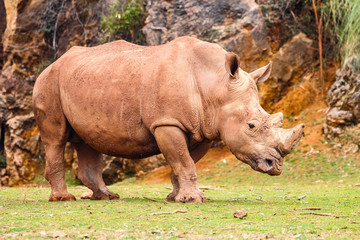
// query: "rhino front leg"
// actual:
[[176, 187], [196, 152], [173, 144]]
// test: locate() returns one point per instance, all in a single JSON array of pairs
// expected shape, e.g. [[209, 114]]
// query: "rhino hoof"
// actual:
[[87, 195], [62, 197], [99, 195], [195, 197]]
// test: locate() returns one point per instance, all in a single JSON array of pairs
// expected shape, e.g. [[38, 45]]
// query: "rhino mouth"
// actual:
[[271, 164]]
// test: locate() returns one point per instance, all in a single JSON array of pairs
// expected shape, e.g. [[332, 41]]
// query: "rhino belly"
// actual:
[[116, 141], [109, 126]]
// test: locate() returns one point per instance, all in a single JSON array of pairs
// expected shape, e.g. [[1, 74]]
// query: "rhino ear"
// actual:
[[232, 64], [261, 74]]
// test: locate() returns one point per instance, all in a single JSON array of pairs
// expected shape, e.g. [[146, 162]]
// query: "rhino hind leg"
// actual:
[[54, 136], [54, 173], [173, 144], [90, 173]]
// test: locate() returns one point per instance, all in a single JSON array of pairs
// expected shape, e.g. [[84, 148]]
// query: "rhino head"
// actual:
[[252, 135]]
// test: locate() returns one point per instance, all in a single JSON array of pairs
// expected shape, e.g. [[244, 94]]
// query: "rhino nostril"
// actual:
[[269, 162]]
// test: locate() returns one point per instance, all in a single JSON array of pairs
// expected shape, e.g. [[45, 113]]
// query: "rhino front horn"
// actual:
[[290, 138]]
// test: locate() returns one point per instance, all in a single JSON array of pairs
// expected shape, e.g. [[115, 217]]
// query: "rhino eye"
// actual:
[[251, 125]]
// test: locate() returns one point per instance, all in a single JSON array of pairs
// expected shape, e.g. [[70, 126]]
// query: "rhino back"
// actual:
[[116, 94]]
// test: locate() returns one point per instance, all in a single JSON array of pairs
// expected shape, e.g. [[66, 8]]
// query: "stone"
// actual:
[[240, 213]]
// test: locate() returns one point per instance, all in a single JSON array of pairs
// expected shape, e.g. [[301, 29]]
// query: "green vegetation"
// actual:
[[343, 25], [340, 24], [124, 21], [272, 203]]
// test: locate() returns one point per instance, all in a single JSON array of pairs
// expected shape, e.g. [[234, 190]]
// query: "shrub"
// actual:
[[125, 20], [342, 26]]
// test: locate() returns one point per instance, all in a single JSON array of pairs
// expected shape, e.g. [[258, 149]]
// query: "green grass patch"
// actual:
[[272, 203], [274, 211]]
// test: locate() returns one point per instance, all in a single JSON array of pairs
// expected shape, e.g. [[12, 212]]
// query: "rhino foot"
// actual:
[[87, 195], [172, 195], [189, 196], [54, 197], [100, 195]]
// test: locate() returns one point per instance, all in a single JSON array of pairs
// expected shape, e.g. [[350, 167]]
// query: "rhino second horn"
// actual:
[[277, 119]]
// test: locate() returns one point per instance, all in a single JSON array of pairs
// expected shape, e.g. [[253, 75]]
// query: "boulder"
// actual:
[[289, 88], [22, 148], [344, 99]]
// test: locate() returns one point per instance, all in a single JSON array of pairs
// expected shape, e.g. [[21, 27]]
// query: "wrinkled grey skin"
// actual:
[[134, 101]]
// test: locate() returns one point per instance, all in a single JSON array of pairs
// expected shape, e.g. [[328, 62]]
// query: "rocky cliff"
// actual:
[[344, 103], [39, 31], [36, 33]]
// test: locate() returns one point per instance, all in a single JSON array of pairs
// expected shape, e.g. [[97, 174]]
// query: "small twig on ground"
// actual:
[[308, 208], [261, 200], [168, 188], [302, 197], [322, 214], [228, 228], [354, 222], [154, 200], [176, 211], [208, 188]]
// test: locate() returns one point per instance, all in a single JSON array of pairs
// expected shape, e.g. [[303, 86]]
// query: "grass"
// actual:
[[343, 26], [272, 204]]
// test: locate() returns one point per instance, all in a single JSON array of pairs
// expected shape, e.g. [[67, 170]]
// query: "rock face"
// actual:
[[344, 99], [37, 31], [288, 88], [236, 25]]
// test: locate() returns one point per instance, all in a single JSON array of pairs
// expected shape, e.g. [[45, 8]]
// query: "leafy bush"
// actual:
[[125, 20]]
